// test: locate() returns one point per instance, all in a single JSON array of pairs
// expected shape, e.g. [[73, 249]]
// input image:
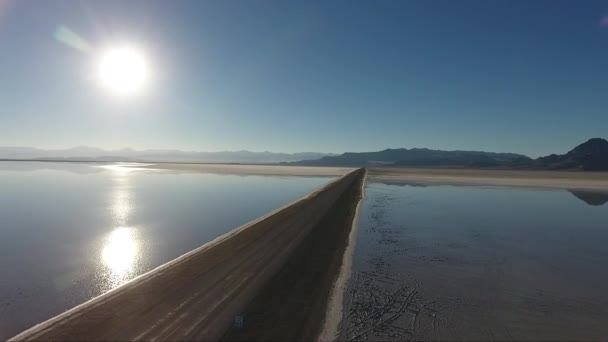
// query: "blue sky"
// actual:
[[330, 76]]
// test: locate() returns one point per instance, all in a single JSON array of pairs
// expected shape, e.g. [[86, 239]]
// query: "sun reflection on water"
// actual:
[[121, 251], [124, 168]]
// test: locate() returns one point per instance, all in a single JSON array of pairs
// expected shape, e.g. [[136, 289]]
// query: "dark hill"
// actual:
[[589, 156]]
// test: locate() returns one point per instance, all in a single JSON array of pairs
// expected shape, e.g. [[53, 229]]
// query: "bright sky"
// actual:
[[329, 76]]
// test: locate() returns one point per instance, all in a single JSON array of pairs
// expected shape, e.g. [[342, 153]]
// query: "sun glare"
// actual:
[[120, 254], [123, 70]]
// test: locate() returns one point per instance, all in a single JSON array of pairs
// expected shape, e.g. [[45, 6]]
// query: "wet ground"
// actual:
[[477, 263]]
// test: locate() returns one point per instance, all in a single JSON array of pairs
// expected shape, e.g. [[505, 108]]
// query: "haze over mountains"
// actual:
[[589, 156], [417, 157], [85, 153]]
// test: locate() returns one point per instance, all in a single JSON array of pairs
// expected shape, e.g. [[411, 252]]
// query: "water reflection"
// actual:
[[591, 198], [121, 199]]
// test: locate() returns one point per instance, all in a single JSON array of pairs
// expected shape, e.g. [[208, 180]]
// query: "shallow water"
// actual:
[[69, 232], [478, 263]]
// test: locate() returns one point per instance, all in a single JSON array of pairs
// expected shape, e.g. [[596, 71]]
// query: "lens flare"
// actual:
[[72, 39]]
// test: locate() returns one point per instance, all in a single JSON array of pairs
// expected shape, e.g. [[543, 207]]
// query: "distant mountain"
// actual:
[[85, 153], [418, 157], [589, 156]]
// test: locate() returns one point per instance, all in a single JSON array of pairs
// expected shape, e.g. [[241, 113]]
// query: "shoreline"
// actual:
[[596, 181], [217, 168]]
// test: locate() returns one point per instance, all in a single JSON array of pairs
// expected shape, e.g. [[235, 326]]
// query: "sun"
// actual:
[[123, 70]]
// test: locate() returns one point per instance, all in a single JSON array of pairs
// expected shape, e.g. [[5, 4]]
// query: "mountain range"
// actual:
[[589, 156], [85, 153], [417, 157]]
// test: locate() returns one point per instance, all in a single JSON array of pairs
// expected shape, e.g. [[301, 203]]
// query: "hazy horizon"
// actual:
[[168, 150], [130, 149]]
